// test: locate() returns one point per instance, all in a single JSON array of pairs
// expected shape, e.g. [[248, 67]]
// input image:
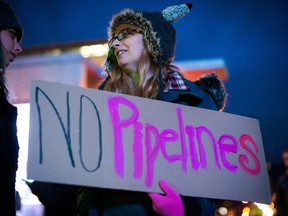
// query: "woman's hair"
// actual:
[[122, 81], [8, 20], [3, 88]]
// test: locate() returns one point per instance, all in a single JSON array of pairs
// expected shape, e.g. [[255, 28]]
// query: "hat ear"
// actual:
[[174, 13]]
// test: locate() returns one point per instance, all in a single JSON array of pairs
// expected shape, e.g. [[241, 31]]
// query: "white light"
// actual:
[[99, 49], [266, 210], [94, 50], [223, 211], [22, 133], [23, 136], [84, 51], [245, 214]]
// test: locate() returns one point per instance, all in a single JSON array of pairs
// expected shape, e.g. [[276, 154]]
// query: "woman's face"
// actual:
[[128, 45], [10, 45]]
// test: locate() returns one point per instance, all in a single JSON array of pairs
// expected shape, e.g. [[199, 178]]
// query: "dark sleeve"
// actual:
[[198, 206], [8, 160], [84, 199], [208, 103], [205, 101], [279, 202], [54, 194]]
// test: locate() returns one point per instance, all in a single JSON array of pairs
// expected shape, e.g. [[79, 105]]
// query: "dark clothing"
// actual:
[[108, 202], [281, 202], [196, 97], [58, 199], [104, 202], [9, 150]]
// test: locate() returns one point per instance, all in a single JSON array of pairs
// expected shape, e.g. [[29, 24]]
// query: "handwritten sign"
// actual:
[[102, 139]]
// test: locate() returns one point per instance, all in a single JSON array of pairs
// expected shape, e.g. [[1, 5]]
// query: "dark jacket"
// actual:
[[281, 202], [58, 199], [208, 93], [9, 149]]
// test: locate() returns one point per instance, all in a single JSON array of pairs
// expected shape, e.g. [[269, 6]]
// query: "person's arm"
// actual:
[[199, 206]]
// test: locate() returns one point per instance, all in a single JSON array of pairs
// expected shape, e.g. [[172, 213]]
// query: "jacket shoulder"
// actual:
[[215, 87]]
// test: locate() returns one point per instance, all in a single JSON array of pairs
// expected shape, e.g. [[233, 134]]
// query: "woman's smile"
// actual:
[[121, 52]]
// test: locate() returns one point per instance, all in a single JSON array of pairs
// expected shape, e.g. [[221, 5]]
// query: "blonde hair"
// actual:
[[122, 81], [149, 85]]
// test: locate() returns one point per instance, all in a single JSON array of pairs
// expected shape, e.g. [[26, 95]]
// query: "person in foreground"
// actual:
[[281, 202], [10, 36], [141, 49]]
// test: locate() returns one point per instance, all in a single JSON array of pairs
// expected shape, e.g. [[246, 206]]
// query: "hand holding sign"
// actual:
[[169, 204]]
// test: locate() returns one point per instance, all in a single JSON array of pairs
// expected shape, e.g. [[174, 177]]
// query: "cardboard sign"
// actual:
[[95, 138]]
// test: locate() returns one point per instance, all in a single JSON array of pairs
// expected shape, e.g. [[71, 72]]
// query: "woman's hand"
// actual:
[[169, 204]]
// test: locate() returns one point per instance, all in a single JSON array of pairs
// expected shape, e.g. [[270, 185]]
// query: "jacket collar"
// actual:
[[193, 90], [173, 93]]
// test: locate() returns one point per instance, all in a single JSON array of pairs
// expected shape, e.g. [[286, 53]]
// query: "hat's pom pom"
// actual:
[[176, 12]]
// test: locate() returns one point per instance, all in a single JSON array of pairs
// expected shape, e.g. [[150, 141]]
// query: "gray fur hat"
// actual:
[[158, 32], [8, 19]]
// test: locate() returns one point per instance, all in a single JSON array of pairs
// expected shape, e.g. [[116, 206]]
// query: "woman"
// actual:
[[10, 36], [141, 49]]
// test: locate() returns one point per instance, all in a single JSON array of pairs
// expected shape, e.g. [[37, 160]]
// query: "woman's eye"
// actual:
[[13, 34], [121, 36]]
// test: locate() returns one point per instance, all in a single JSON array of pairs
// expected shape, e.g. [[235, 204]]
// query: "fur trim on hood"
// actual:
[[215, 88]]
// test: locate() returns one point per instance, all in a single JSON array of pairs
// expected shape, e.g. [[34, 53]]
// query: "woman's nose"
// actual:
[[18, 47], [116, 43]]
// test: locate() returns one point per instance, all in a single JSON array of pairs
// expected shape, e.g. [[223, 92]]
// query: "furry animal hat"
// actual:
[[158, 32]]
